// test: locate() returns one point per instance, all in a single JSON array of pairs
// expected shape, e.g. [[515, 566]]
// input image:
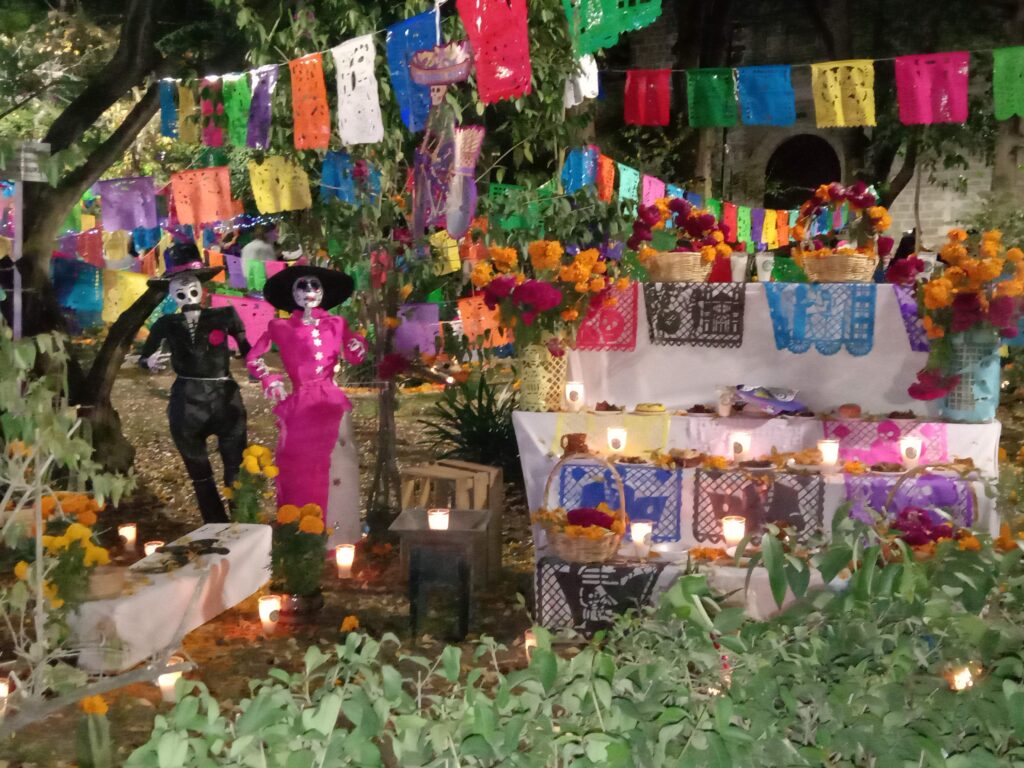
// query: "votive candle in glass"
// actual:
[[640, 532], [437, 519], [151, 546], [617, 439], [270, 607], [344, 556], [911, 447], [740, 442], [829, 450], [574, 395], [129, 533], [167, 680], [734, 528]]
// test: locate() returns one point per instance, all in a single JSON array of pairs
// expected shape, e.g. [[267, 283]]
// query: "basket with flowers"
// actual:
[[832, 259], [700, 241], [966, 310], [584, 534]]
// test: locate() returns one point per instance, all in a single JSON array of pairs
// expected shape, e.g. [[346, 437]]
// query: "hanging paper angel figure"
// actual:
[[432, 164], [316, 450], [461, 202]]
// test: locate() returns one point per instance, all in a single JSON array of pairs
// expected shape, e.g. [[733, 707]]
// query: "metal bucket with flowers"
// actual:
[[584, 534], [700, 242], [853, 261]]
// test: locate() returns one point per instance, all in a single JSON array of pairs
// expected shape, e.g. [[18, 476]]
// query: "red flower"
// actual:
[[216, 337], [587, 516], [885, 247], [904, 271], [932, 385], [392, 365], [555, 348], [649, 215], [967, 312], [1002, 312], [499, 288]]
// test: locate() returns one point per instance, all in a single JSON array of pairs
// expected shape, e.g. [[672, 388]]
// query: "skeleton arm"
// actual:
[[273, 384]]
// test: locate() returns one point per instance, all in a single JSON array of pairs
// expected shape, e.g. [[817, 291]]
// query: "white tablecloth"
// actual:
[[681, 376], [120, 632]]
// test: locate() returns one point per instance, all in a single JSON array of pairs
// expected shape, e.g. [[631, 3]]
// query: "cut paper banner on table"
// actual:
[[875, 493], [168, 109], [711, 97], [211, 108], [202, 195], [844, 93], [648, 96], [597, 24], [188, 115], [120, 290], [310, 113], [825, 316], [579, 169], [612, 326], [695, 314], [419, 329], [932, 88], [237, 103], [264, 80], [403, 40], [653, 190], [279, 185], [906, 297], [605, 178], [479, 322], [797, 501], [127, 203], [583, 85], [497, 32], [256, 314], [1008, 82], [359, 118], [766, 95], [874, 442]]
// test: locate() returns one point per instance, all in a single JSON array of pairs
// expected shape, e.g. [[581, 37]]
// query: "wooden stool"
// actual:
[[428, 572], [490, 481], [466, 537]]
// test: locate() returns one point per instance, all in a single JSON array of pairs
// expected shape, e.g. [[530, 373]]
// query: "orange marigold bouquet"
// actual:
[[299, 543], [585, 522], [869, 221], [695, 229]]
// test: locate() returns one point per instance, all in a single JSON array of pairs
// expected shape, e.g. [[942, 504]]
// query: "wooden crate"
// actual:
[[495, 483]]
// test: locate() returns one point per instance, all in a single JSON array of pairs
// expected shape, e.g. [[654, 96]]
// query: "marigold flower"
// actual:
[[582, 287], [854, 467], [287, 514], [51, 594], [311, 510], [958, 235], [570, 314], [504, 259], [597, 285], [310, 524], [21, 570], [392, 322], [405, 291], [349, 624], [93, 705], [969, 543], [622, 283], [251, 465], [78, 532], [938, 293], [88, 517], [48, 504], [271, 471], [95, 556], [482, 274], [933, 329], [228, 493]]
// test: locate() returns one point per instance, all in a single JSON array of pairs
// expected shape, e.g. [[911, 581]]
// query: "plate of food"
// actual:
[[700, 410], [887, 468], [649, 409], [604, 408], [687, 458], [758, 465]]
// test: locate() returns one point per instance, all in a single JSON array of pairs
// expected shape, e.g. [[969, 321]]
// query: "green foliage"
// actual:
[[1004, 214], [473, 422], [92, 742], [297, 558]]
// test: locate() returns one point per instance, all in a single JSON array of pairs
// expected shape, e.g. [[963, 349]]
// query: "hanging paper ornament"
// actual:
[[482, 326], [90, 247], [359, 118], [432, 167], [127, 203], [932, 88], [729, 222], [583, 84], [497, 33], [202, 196], [782, 225], [264, 80], [1008, 82], [711, 97], [596, 24], [653, 189], [447, 251], [419, 329], [579, 169], [211, 107], [404, 39], [605, 178], [336, 177], [714, 207], [279, 185], [766, 95], [462, 194], [120, 291], [844, 93], [756, 227], [310, 114], [770, 230], [168, 109], [742, 224], [629, 181], [188, 115], [648, 94], [237, 102]]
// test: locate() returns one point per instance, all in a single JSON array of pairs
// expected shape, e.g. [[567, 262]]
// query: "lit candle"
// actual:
[[740, 445], [529, 643], [129, 534], [167, 680], [574, 395], [270, 606], [344, 555], [734, 528], [437, 519], [829, 450], [151, 546], [640, 532], [910, 450], [5, 691], [961, 678], [617, 439]]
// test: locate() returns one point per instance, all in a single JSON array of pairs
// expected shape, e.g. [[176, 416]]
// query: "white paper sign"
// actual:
[[359, 118], [583, 85]]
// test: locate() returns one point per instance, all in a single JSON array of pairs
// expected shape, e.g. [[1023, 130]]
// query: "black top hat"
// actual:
[[278, 289], [184, 259]]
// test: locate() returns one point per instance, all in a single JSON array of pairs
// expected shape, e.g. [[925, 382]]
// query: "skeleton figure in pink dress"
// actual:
[[315, 449]]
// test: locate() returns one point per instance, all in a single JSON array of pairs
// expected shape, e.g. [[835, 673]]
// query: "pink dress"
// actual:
[[310, 417]]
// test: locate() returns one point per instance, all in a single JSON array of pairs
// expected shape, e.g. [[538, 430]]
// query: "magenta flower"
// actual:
[[499, 288], [649, 215], [588, 516], [1002, 312], [918, 525], [216, 337], [885, 246], [904, 271], [967, 312], [555, 347], [932, 385], [679, 206]]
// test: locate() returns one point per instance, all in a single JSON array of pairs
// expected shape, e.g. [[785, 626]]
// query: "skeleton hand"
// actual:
[[355, 346], [157, 361], [275, 392]]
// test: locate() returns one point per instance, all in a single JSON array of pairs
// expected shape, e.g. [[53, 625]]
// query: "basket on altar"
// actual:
[[584, 535], [842, 262], [691, 247], [678, 267]]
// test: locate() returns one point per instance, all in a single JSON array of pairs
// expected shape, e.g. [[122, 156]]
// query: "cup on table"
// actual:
[[574, 442]]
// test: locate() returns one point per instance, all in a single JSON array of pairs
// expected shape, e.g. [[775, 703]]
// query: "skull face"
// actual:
[[186, 291], [307, 292]]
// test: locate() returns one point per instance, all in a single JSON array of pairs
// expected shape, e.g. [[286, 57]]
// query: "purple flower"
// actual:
[[612, 250]]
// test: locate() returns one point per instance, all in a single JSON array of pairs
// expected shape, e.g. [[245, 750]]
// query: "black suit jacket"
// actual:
[[202, 358]]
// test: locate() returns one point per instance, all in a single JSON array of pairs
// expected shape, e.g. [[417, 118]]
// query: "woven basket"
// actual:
[[575, 549], [678, 267], [840, 268]]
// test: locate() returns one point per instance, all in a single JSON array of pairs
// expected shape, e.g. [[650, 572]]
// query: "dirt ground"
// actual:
[[231, 649]]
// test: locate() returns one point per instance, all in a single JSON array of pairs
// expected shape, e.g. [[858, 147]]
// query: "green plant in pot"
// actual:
[[297, 560]]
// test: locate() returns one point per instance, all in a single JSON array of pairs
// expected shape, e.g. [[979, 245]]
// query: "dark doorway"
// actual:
[[796, 168]]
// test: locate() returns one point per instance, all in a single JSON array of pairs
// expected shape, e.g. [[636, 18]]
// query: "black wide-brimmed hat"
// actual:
[[278, 289], [184, 259]]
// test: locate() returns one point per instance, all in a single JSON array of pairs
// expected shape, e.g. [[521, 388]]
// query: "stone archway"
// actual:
[[796, 167]]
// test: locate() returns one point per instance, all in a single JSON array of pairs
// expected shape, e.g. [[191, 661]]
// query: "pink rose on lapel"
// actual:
[[216, 337]]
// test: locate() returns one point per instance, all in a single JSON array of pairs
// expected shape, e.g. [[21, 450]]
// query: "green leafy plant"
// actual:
[[297, 553], [473, 422], [249, 492]]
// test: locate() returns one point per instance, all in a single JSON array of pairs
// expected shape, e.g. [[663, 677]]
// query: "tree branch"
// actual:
[[905, 173], [813, 10]]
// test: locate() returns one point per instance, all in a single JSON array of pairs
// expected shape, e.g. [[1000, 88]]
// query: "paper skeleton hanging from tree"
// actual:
[[205, 400], [316, 449]]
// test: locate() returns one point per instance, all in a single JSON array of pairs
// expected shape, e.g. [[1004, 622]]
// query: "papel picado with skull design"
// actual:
[[205, 400]]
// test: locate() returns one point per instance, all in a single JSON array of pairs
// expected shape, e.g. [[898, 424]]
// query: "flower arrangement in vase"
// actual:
[[827, 258], [699, 241], [965, 311]]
